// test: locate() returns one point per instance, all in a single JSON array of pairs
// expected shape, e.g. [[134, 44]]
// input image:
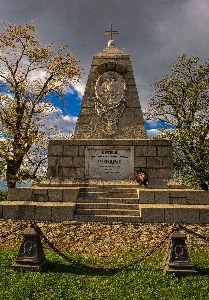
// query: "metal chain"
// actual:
[[4, 235], [192, 232], [81, 265]]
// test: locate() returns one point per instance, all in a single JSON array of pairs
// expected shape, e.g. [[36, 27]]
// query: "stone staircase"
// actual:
[[107, 204], [134, 205], [127, 203]]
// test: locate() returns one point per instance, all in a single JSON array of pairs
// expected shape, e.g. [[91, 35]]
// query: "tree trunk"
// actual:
[[12, 170]]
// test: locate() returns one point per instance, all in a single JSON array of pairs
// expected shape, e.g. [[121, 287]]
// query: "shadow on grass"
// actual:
[[202, 271], [56, 267]]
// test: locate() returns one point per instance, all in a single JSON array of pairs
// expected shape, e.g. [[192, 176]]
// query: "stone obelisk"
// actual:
[[110, 108]]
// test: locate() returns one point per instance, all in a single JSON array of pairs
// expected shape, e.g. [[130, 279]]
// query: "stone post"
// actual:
[[177, 259], [31, 255]]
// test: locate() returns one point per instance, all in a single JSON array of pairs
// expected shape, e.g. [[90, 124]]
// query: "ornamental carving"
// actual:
[[110, 99]]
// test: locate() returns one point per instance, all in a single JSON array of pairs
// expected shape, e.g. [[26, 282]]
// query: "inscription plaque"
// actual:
[[109, 162]]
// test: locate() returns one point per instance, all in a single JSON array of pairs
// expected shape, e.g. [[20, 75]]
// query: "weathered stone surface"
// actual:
[[55, 195], [43, 212], [66, 161], [152, 214], [53, 161], [79, 162], [180, 200], [63, 212], [167, 162], [40, 194], [200, 197], [154, 162], [160, 173], [70, 150], [70, 195], [188, 214], [145, 151], [146, 196], [1, 211], [162, 196], [11, 210], [113, 60], [204, 214], [140, 162], [55, 149], [27, 211], [21, 194], [159, 143], [164, 151]]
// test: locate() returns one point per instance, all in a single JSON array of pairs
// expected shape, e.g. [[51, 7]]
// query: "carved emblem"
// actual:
[[110, 92]]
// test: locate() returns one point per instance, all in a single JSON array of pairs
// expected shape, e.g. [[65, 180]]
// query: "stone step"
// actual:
[[107, 189], [107, 195], [108, 205], [107, 212], [110, 218], [151, 213], [107, 200], [39, 211], [172, 213]]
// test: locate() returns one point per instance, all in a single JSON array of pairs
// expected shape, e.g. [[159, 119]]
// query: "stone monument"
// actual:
[[92, 177]]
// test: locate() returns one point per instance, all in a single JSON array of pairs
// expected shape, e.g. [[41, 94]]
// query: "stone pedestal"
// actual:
[[177, 259], [31, 255]]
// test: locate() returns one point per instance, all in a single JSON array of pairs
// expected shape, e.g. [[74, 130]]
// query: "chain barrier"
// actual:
[[192, 232], [81, 265], [175, 227], [4, 235]]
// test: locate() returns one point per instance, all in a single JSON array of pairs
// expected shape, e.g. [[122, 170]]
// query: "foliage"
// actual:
[[63, 281], [30, 73], [3, 195], [181, 101]]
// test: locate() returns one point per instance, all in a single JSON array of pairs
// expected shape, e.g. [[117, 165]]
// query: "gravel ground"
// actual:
[[99, 239]]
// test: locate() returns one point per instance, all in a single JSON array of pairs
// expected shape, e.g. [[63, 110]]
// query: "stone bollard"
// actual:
[[177, 259], [31, 255]]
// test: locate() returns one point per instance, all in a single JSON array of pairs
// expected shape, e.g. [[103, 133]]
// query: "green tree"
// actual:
[[181, 100], [30, 73]]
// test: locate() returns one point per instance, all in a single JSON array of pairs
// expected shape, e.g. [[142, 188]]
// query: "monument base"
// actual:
[[29, 266]]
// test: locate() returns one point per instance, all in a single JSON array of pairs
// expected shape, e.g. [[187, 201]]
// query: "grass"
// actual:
[[61, 280]]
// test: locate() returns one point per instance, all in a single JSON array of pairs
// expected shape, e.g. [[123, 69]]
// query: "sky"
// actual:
[[153, 32]]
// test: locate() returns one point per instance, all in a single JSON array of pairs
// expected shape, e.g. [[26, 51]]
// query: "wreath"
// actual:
[[141, 177]]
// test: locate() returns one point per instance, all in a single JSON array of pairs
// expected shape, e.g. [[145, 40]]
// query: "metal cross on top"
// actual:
[[111, 32]]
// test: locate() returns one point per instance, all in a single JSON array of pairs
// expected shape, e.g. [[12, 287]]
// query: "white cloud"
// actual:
[[152, 133], [66, 124], [80, 89]]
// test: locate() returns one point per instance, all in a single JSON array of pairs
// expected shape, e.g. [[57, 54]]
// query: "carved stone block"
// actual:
[[177, 259], [31, 255]]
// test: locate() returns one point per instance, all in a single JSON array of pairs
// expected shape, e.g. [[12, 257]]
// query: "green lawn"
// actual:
[[61, 280]]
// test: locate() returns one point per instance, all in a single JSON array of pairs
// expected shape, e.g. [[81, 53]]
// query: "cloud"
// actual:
[[80, 89], [152, 133], [64, 124]]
